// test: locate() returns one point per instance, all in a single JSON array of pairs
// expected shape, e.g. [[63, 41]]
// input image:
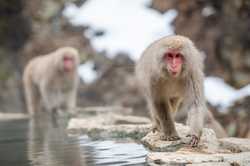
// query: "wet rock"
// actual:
[[236, 144], [210, 152], [102, 110], [208, 143], [178, 158], [110, 125], [13, 116], [194, 158]]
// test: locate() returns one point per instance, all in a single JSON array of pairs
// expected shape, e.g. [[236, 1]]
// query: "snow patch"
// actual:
[[87, 72], [219, 93], [129, 25]]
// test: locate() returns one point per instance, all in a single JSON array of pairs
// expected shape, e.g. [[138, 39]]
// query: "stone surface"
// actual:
[[236, 144], [195, 158], [12, 116], [110, 125], [82, 112], [112, 122], [208, 143]]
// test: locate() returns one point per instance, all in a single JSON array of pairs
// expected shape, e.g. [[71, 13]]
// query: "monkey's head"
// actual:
[[173, 60], [178, 56], [68, 58]]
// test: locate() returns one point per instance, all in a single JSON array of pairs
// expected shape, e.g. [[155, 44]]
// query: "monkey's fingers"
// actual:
[[170, 138], [194, 140]]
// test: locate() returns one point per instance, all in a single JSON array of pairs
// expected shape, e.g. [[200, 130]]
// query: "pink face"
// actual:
[[68, 63], [174, 61]]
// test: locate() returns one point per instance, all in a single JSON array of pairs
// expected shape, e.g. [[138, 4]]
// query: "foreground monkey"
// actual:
[[50, 81], [170, 75]]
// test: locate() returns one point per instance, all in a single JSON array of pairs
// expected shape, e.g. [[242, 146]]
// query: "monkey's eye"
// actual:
[[169, 55], [178, 55]]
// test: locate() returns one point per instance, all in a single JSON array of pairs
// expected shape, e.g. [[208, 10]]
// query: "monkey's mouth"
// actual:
[[175, 74]]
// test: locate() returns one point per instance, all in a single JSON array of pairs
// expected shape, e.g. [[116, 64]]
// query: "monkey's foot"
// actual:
[[169, 138], [194, 140]]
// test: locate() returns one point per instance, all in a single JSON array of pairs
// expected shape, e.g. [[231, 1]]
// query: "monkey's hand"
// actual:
[[194, 140], [169, 137]]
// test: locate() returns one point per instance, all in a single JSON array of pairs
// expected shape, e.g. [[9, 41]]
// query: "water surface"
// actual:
[[43, 142]]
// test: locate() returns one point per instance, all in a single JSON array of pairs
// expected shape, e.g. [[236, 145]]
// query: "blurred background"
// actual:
[[111, 36]]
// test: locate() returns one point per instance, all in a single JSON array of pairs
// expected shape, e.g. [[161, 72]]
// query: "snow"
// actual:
[[208, 11], [87, 72], [220, 94], [129, 25]]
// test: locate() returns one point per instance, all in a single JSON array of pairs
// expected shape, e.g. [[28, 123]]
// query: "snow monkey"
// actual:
[[170, 75], [50, 81]]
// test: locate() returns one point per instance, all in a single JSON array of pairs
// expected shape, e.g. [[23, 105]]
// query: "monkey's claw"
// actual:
[[194, 140], [169, 138]]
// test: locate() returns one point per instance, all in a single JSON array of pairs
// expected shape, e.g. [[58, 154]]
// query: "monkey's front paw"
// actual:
[[169, 138], [194, 140]]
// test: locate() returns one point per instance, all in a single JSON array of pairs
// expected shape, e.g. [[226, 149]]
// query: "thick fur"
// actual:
[[164, 94], [46, 84]]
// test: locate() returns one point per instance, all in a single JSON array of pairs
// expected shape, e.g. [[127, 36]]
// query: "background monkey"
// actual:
[[51, 81], [170, 75]]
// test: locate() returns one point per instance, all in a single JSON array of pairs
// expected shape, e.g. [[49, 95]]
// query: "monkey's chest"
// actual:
[[172, 90]]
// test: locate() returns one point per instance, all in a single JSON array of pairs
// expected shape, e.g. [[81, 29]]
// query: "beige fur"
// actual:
[[47, 85], [166, 95]]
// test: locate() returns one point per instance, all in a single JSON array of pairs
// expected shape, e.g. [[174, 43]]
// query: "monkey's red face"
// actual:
[[68, 63], [174, 61]]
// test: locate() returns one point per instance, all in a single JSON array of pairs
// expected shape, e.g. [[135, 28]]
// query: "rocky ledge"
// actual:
[[107, 123]]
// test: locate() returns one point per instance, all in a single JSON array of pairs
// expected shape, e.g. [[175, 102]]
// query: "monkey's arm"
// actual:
[[196, 107]]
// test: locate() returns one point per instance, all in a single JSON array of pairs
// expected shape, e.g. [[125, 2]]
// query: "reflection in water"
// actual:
[[117, 153], [49, 144], [42, 141], [13, 143]]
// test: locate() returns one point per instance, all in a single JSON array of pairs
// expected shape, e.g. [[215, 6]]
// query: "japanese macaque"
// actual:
[[170, 75], [50, 81]]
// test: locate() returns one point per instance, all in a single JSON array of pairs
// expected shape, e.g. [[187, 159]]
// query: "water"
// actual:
[[44, 142]]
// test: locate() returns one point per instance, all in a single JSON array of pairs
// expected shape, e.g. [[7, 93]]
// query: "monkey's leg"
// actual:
[[154, 117], [166, 121], [212, 123], [48, 101], [32, 98], [156, 124], [195, 121]]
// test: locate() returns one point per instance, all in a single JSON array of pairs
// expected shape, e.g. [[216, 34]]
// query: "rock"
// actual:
[[235, 144], [180, 158], [110, 125], [226, 151], [211, 164], [102, 110], [208, 143], [194, 158], [13, 116]]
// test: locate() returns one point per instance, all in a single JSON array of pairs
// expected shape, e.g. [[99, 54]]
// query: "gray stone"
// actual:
[[13, 116], [208, 143], [181, 158], [192, 158], [110, 125], [235, 144]]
